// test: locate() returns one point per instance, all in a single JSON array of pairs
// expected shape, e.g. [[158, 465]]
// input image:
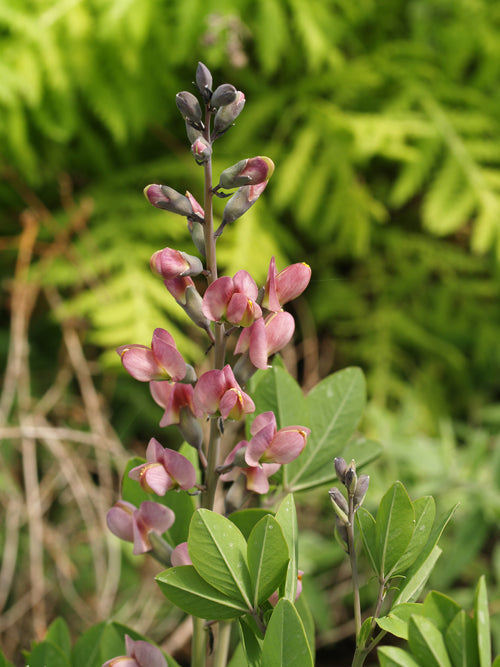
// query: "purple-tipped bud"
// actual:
[[361, 489], [189, 107], [169, 263], [341, 533], [192, 133], [223, 95], [340, 469], [204, 82], [201, 149], [226, 116], [351, 479], [168, 199], [251, 171], [339, 504]]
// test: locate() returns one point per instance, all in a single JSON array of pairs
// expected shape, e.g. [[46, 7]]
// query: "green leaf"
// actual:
[[393, 656], [267, 558], [251, 643], [360, 449], [441, 609], [47, 653], [245, 520], [87, 649], [417, 576], [218, 552], [307, 621], [286, 516], [427, 643], [58, 635], [461, 641], [364, 633], [366, 525], [285, 643], [335, 406], [3, 661], [425, 512], [396, 621], [394, 528], [482, 621], [276, 390], [184, 587]]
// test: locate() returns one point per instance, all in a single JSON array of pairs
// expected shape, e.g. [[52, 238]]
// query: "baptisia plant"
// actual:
[[259, 561], [219, 512]]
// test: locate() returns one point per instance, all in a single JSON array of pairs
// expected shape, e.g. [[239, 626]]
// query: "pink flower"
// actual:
[[160, 362], [247, 172], [268, 445], [218, 392], [233, 300], [180, 555], [165, 469], [168, 199], [257, 476], [139, 654], [177, 400], [134, 525], [286, 285], [169, 263], [266, 337]]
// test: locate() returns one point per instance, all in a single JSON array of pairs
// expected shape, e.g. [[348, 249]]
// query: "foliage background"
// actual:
[[382, 119]]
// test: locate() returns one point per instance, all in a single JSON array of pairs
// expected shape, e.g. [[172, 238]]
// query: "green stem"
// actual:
[[354, 568], [199, 643], [222, 648]]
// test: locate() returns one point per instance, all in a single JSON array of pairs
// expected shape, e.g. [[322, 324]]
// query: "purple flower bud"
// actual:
[[204, 82], [340, 469], [189, 107], [251, 171], [192, 133], [169, 263], [223, 95], [339, 504], [361, 489], [226, 116], [201, 149]]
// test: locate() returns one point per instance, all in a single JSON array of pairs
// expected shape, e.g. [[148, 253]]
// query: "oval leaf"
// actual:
[[461, 641], [393, 529], [427, 643], [425, 512], [218, 552], [393, 656], [267, 558], [184, 587], [286, 516], [285, 643], [482, 621]]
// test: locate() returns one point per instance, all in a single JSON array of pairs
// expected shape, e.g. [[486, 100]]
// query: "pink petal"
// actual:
[[154, 451], [162, 336], [145, 653], [243, 341], [259, 444], [258, 344], [292, 281], [279, 331], [271, 300], [257, 478], [178, 286], [217, 297], [139, 361], [180, 555], [161, 391], [121, 661], [263, 420], [244, 283], [120, 520], [179, 468], [286, 445], [168, 358], [157, 517], [208, 391], [154, 477]]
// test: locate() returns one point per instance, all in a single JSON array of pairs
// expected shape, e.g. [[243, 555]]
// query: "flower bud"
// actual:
[[240, 202], [201, 149], [195, 225], [339, 504], [361, 489], [169, 263], [189, 107], [340, 469], [341, 534], [168, 199], [192, 133], [351, 479], [226, 116], [247, 172], [223, 95], [204, 82]]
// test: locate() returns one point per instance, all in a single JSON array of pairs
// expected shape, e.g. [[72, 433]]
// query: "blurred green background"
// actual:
[[383, 121]]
